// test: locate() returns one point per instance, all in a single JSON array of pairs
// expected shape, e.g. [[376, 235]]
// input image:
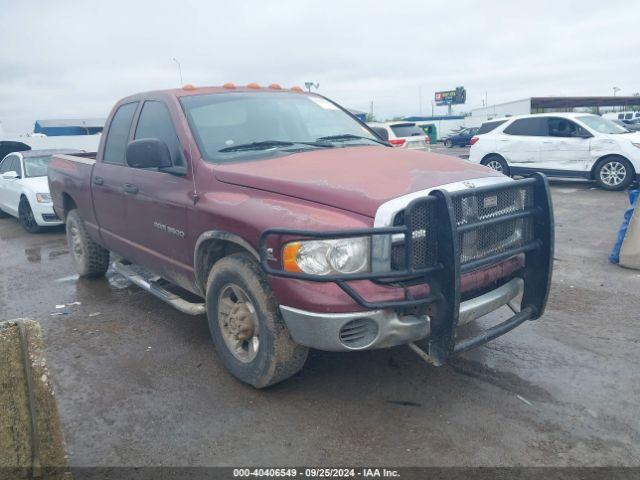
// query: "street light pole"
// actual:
[[179, 69], [615, 90]]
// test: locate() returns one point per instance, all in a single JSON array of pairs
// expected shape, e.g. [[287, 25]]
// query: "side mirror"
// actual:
[[381, 132], [148, 153], [11, 175]]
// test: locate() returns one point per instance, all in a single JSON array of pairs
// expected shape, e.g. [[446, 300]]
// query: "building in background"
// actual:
[[550, 104], [66, 127]]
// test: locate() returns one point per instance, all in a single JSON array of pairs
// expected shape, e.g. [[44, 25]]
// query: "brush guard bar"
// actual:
[[443, 277]]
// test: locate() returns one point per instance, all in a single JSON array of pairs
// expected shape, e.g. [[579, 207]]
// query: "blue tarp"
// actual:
[[633, 201]]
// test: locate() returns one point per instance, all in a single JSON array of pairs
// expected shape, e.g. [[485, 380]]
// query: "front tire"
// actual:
[[26, 217], [448, 143], [497, 163], [614, 173], [248, 331], [90, 259], [4, 214]]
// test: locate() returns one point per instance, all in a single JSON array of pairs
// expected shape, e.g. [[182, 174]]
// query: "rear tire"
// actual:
[[26, 217], [248, 331], [614, 173], [90, 259], [448, 143], [497, 163]]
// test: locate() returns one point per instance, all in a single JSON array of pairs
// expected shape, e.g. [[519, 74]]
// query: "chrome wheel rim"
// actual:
[[75, 243], [613, 173], [238, 323], [495, 164]]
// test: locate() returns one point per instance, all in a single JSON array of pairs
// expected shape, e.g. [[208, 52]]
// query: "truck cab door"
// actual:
[[159, 201], [109, 176]]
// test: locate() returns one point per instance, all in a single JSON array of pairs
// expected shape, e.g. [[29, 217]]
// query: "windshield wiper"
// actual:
[[346, 137], [263, 145]]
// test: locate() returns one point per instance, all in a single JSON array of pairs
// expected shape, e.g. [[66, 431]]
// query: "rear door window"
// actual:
[[6, 164], [406, 130], [118, 134], [530, 127], [155, 122], [486, 127], [628, 116]]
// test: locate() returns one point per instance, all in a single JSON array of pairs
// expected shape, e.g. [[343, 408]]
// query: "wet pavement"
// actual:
[[139, 383]]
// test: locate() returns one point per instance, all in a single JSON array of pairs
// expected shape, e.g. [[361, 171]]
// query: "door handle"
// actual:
[[130, 188], [98, 181]]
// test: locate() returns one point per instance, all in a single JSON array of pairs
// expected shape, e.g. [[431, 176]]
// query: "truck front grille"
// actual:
[[470, 207], [495, 238]]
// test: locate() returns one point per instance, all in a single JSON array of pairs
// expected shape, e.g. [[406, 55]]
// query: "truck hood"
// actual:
[[358, 179]]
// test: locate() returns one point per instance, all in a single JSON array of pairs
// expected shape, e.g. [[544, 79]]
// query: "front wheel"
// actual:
[[448, 143], [26, 217], [248, 331], [497, 163], [614, 173]]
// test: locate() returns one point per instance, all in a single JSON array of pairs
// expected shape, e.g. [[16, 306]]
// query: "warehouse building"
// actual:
[[65, 127], [550, 104]]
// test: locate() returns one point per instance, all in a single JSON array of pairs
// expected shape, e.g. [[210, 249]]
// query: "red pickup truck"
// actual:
[[293, 225]]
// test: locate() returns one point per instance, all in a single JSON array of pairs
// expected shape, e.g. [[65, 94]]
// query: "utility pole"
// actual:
[[615, 90], [308, 86], [179, 70], [420, 98]]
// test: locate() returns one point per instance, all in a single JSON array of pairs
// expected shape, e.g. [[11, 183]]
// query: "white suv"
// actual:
[[404, 135], [576, 145]]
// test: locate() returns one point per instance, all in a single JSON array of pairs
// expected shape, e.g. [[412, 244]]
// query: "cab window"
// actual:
[[155, 122], [118, 134]]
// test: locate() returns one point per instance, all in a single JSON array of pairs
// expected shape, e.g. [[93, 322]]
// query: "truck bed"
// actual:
[[70, 186]]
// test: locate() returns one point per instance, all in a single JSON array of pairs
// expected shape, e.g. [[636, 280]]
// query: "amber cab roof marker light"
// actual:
[[229, 85], [296, 89], [275, 86], [188, 86], [253, 85]]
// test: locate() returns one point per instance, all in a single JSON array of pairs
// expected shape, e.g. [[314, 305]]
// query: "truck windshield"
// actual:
[[36, 166], [233, 126]]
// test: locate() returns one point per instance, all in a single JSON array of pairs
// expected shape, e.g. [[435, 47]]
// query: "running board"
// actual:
[[156, 290]]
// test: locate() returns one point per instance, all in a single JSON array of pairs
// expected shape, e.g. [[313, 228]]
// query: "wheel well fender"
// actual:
[[211, 247], [604, 157], [486, 157], [68, 204]]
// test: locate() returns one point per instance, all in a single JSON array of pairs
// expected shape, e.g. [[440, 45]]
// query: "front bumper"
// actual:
[[383, 328], [45, 215], [465, 245]]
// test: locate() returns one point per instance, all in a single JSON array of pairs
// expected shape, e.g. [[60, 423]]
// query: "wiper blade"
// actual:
[[346, 137], [263, 145]]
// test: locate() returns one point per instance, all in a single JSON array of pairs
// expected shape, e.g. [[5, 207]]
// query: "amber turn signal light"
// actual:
[[289, 256]]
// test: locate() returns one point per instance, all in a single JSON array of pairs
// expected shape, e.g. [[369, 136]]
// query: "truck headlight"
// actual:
[[43, 197], [326, 257]]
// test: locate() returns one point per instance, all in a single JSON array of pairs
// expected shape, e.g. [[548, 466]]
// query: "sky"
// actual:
[[75, 59]]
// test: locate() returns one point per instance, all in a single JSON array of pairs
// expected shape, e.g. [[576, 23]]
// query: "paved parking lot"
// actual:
[[139, 383]]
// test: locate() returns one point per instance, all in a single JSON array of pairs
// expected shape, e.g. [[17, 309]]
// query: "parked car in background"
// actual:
[[562, 145], [298, 228], [461, 138], [633, 126], [24, 188], [405, 135], [624, 116]]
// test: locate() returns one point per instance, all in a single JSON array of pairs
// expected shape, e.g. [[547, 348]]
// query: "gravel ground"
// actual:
[[139, 383]]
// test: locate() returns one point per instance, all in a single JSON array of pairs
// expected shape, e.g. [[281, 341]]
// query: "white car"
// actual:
[[578, 145], [404, 135], [24, 188]]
